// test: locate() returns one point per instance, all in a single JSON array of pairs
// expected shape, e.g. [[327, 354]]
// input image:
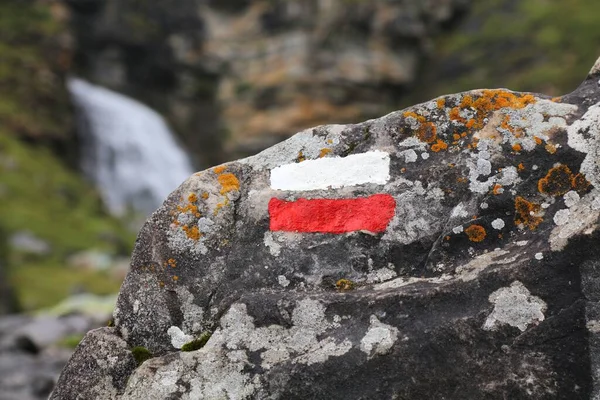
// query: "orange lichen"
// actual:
[[447, 238], [414, 115], [192, 198], [475, 233], [580, 183], [537, 140], [557, 181], [454, 115], [525, 213], [466, 102], [175, 278], [192, 233], [456, 136], [493, 100], [171, 262], [329, 141], [497, 189], [427, 132], [441, 102], [191, 208], [556, 99], [439, 146], [220, 169], [324, 152], [402, 170], [521, 167], [517, 147], [205, 195], [300, 157], [471, 123], [228, 183]]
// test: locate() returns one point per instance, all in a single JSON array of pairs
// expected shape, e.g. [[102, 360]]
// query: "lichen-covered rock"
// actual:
[[448, 250]]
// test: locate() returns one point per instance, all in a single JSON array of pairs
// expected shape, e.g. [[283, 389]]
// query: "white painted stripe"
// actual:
[[333, 172]]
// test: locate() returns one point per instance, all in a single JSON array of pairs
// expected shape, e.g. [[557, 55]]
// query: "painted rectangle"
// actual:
[[333, 172], [371, 213]]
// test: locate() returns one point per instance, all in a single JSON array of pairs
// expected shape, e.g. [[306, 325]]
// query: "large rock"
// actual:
[[448, 250]]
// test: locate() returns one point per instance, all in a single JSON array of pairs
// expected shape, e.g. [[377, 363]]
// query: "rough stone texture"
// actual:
[[248, 73], [100, 365], [484, 284]]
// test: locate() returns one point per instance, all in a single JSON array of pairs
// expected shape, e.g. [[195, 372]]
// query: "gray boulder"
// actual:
[[446, 251]]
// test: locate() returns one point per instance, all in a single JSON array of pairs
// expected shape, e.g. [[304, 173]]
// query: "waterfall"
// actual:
[[127, 150]]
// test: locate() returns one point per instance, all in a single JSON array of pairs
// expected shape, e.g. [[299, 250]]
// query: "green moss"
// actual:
[[197, 343], [141, 354], [33, 99], [529, 45], [71, 341], [110, 323]]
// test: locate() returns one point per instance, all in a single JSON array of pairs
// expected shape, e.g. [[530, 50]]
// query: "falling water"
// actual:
[[127, 149]]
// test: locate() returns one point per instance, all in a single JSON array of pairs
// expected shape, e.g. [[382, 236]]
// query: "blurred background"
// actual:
[[107, 105]]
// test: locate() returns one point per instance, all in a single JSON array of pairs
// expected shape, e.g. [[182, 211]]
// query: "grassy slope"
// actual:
[[38, 192], [527, 45]]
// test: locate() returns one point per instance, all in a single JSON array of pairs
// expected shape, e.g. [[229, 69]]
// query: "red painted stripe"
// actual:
[[332, 215]]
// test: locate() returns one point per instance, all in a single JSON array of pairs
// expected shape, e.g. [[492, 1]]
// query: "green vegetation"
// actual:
[[33, 100], [141, 354], [529, 45], [197, 344], [42, 196], [71, 341], [39, 194]]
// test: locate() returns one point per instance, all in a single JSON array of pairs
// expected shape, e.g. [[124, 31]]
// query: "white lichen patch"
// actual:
[[381, 275], [498, 223], [271, 244], [178, 338], [305, 142], [571, 198], [409, 155], [561, 217], [538, 119], [539, 256], [193, 314], [582, 218], [515, 306], [418, 213], [379, 339], [457, 229], [283, 281], [583, 136]]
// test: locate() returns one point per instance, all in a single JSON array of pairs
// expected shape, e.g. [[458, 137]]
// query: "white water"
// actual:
[[127, 149]]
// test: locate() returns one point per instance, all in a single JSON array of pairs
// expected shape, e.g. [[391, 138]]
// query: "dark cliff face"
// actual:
[[235, 77]]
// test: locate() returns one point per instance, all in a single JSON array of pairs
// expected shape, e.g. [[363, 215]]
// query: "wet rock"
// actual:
[[448, 250]]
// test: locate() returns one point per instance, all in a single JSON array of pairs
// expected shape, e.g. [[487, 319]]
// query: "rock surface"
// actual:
[[480, 283]]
